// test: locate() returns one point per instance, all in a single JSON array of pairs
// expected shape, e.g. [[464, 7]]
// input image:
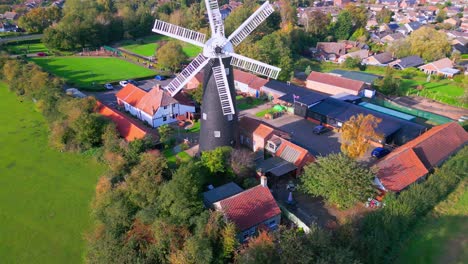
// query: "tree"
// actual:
[[343, 26], [317, 23], [196, 94], [216, 160], [358, 15], [339, 179], [384, 16], [288, 14], [441, 15], [400, 48], [260, 249], [146, 179], [165, 133], [361, 35], [357, 133], [389, 84], [242, 162], [308, 70], [38, 19], [171, 56], [429, 44], [352, 62]]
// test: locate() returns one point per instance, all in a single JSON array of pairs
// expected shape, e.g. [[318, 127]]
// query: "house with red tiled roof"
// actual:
[[442, 67], [127, 128], [248, 83], [251, 209], [412, 161], [332, 84], [155, 107], [329, 51], [254, 133]]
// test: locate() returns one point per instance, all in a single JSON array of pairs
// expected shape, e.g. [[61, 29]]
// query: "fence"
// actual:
[[293, 218]]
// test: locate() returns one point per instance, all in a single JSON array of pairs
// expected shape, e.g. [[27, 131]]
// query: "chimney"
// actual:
[[263, 181]]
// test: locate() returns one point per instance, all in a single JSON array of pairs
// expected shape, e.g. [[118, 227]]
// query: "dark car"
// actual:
[[380, 152], [132, 82], [160, 78], [319, 130], [41, 54]]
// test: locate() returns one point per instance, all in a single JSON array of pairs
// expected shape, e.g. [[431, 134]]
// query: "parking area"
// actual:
[[301, 134]]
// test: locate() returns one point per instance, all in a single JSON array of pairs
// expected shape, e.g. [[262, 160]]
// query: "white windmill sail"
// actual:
[[219, 73], [214, 16], [255, 66], [180, 33], [187, 74]]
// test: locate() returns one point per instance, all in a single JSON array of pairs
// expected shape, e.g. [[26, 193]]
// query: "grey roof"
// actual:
[[359, 76], [414, 25], [389, 125], [306, 96], [410, 61], [275, 165], [384, 57], [283, 169], [449, 70], [220, 193]]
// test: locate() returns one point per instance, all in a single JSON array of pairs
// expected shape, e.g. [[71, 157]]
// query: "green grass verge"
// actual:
[[440, 237], [243, 105], [44, 194], [266, 111], [173, 157], [464, 56], [26, 48], [147, 46], [84, 71], [195, 128]]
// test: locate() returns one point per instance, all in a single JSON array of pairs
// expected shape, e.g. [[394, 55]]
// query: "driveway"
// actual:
[[301, 134]]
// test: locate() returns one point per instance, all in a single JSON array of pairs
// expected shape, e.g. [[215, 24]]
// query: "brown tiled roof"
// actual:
[[154, 99], [250, 207], [250, 79], [332, 47], [442, 64], [341, 82], [384, 57], [254, 126], [127, 127], [293, 153], [130, 94], [431, 149]]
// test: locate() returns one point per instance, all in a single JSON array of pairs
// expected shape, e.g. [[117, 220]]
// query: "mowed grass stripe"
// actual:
[[84, 71], [44, 194]]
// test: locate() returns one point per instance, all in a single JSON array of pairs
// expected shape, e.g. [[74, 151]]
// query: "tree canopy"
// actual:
[[171, 56], [356, 134]]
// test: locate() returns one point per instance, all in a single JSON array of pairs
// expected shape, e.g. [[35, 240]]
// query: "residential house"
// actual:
[[127, 127], [155, 107], [248, 83], [220, 193], [341, 2], [392, 37], [381, 59], [407, 28], [254, 133], [359, 54], [412, 161], [10, 15], [330, 51], [407, 62], [452, 21], [332, 84], [443, 67], [250, 210]]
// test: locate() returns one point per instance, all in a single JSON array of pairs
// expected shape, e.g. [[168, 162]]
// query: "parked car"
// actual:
[[41, 54], [132, 82], [318, 130], [108, 86], [160, 78], [380, 152], [463, 119], [123, 83]]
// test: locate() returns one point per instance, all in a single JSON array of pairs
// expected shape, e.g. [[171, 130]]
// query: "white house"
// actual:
[[155, 107]]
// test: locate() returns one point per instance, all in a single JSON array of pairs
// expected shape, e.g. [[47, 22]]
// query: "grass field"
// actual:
[[441, 236], [173, 157], [44, 194], [147, 46], [26, 48], [84, 71]]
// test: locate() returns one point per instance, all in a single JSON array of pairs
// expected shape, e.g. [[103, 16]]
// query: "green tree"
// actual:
[[429, 44], [384, 16], [352, 62], [166, 133], [357, 133], [361, 35], [358, 15], [339, 179], [38, 19], [241, 161], [308, 70], [216, 160], [197, 94], [317, 23], [441, 15], [389, 84], [171, 56], [260, 249], [88, 130], [343, 26]]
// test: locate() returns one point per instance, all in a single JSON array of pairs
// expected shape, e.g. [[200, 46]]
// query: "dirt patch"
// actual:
[[432, 106]]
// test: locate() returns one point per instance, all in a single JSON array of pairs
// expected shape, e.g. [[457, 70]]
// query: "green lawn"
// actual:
[[27, 48], [243, 105], [147, 46], [84, 71], [44, 194], [464, 56], [173, 157], [195, 128], [441, 236]]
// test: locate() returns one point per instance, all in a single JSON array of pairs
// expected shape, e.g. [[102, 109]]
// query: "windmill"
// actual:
[[218, 114]]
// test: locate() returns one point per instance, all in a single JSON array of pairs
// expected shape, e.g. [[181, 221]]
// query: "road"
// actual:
[[19, 38]]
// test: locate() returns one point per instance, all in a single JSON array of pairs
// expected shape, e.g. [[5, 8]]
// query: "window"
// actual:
[[229, 117], [164, 118], [204, 116], [227, 71], [165, 107], [217, 134]]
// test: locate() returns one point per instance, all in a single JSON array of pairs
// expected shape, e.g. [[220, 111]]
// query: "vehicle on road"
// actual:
[[380, 152], [108, 86], [41, 54], [132, 82], [160, 77], [318, 130], [123, 83]]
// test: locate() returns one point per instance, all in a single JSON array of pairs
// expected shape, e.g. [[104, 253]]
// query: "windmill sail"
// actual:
[[180, 33], [255, 66], [187, 74], [214, 16], [219, 73]]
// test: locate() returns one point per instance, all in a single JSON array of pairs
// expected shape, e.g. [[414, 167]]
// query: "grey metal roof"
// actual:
[[410, 61], [306, 96], [290, 154], [275, 165], [283, 169], [220, 193], [358, 76]]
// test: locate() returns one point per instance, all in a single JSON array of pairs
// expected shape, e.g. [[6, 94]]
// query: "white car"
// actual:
[[123, 83], [108, 86]]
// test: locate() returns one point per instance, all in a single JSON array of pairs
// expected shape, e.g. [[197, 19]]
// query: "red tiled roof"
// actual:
[[341, 82], [250, 207], [303, 156], [250, 79], [332, 47], [254, 126], [399, 171], [154, 99], [130, 94], [441, 64], [431, 149], [127, 128]]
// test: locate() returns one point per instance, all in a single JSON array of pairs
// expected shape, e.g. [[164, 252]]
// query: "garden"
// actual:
[[90, 72]]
